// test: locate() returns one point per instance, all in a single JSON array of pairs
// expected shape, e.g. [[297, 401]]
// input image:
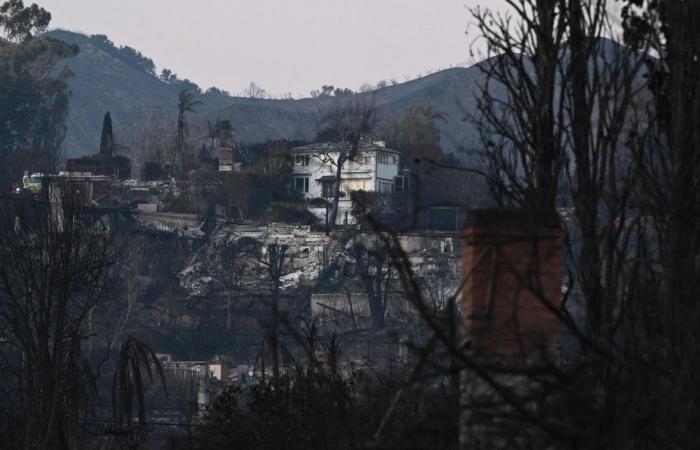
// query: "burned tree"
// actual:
[[560, 130], [186, 104], [255, 92], [137, 363], [627, 190], [632, 198], [666, 148], [518, 110], [373, 267], [56, 268], [152, 142], [231, 268], [346, 127], [274, 258]]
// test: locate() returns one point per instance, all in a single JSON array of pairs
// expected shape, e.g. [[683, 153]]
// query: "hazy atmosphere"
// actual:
[[284, 46], [349, 225]]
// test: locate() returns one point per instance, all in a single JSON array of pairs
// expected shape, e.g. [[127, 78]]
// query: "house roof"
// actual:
[[325, 147]]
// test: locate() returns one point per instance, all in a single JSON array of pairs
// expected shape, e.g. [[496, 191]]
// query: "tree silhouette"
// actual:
[[56, 268], [21, 23], [107, 138], [185, 104], [345, 127], [136, 359], [255, 91]]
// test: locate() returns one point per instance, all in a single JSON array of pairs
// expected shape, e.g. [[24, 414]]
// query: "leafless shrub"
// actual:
[[56, 269]]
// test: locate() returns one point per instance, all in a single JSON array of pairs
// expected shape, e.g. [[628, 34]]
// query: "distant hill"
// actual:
[[107, 78]]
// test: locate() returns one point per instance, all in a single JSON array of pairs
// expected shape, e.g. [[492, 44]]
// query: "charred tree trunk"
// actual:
[[229, 311], [684, 144], [333, 214], [587, 193]]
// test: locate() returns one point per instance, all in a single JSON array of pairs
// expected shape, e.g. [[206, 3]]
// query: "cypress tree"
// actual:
[[107, 140]]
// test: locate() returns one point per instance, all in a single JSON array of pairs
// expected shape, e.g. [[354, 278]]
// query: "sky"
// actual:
[[284, 46]]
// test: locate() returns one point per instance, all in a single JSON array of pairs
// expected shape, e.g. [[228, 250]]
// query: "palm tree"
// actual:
[[136, 362], [185, 104]]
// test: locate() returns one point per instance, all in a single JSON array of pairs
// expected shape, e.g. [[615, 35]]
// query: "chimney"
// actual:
[[512, 264], [512, 289]]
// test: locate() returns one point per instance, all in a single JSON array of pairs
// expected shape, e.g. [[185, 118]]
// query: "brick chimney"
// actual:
[[512, 271], [512, 267]]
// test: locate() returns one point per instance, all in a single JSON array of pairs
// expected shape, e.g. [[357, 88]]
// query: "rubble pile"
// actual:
[[313, 258], [308, 254]]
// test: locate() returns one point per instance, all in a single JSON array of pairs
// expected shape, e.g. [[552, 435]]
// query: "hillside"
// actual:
[[107, 79]]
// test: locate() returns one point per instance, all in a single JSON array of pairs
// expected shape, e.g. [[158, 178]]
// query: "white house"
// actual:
[[314, 174]]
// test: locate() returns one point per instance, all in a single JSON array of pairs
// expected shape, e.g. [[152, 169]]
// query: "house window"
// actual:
[[386, 158], [385, 187], [302, 160], [401, 183], [353, 164], [301, 184], [360, 160], [328, 188], [355, 185]]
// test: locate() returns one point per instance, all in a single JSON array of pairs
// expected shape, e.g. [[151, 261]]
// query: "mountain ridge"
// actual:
[[122, 81]]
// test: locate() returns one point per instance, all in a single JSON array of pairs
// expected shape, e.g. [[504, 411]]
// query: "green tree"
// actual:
[[20, 23], [33, 101]]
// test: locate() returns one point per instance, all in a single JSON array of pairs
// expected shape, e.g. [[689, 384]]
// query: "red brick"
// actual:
[[523, 245]]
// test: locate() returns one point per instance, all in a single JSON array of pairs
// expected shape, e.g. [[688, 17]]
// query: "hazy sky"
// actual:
[[283, 45]]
